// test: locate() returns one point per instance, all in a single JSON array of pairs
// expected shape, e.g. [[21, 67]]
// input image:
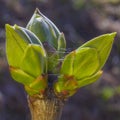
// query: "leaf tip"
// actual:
[[36, 11], [113, 34], [7, 27], [100, 72]]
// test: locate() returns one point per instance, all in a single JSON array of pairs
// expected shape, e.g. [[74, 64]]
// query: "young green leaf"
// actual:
[[27, 35], [89, 58], [81, 63], [82, 66], [89, 80], [39, 84], [53, 41], [103, 45], [65, 86], [20, 76], [61, 45], [86, 62], [34, 60], [31, 91], [49, 22], [44, 29], [15, 46], [22, 33], [67, 65], [39, 27]]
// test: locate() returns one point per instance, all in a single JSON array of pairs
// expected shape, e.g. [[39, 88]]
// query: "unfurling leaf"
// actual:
[[83, 65], [44, 29], [53, 41], [26, 58], [38, 86], [65, 86], [85, 59], [89, 80], [15, 46], [34, 60], [103, 45], [27, 35], [21, 76]]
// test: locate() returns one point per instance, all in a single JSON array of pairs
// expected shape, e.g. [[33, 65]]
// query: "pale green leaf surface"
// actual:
[[81, 63], [89, 80], [28, 35], [43, 29], [73, 84], [58, 86], [60, 83], [49, 22], [65, 88], [33, 61], [31, 91], [22, 33], [20, 76], [103, 45], [67, 65], [33, 37], [15, 46], [61, 45], [86, 62], [70, 85], [39, 27], [53, 39], [39, 84]]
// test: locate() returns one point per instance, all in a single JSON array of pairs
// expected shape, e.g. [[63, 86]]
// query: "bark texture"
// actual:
[[45, 108]]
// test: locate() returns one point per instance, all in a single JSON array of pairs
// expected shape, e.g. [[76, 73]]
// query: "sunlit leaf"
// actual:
[[86, 62], [34, 61], [39, 84], [67, 65], [89, 80], [31, 91], [15, 46], [65, 86], [103, 45], [81, 63], [20, 76], [82, 66]]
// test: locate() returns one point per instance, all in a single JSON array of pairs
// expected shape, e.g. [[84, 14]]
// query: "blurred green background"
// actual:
[[80, 20]]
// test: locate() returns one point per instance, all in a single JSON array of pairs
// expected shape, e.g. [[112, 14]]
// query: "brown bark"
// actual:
[[45, 108]]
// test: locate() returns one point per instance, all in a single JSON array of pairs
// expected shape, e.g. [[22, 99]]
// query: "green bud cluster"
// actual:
[[35, 52]]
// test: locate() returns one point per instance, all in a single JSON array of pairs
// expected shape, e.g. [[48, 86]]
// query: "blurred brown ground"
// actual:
[[80, 20]]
